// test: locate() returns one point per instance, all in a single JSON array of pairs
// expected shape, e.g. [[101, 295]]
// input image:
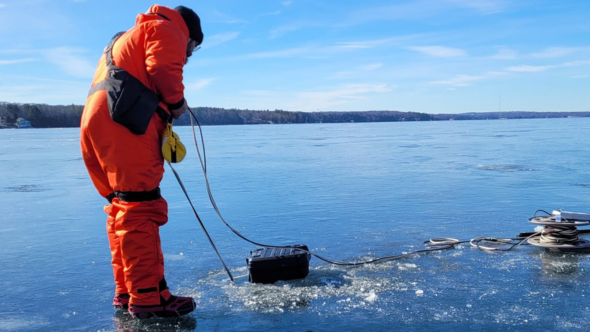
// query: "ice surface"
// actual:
[[349, 191]]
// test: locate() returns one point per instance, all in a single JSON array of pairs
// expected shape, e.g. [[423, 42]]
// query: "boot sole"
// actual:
[[177, 313], [143, 315], [181, 310], [163, 314]]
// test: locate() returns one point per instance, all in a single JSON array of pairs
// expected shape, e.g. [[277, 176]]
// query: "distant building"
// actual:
[[23, 123], [2, 121]]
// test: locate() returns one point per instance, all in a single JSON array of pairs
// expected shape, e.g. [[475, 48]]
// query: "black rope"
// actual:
[[199, 219]]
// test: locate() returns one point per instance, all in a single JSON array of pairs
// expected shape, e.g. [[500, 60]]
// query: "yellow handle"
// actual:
[[172, 149]]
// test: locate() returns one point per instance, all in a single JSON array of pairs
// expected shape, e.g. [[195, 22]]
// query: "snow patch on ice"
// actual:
[[19, 323]]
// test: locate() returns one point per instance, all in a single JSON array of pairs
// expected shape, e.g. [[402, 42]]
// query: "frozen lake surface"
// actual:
[[349, 191]]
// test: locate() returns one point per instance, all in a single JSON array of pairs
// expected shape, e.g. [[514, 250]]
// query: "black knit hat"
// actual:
[[193, 23]]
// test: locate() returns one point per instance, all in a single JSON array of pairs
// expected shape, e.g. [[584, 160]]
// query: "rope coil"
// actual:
[[560, 235]]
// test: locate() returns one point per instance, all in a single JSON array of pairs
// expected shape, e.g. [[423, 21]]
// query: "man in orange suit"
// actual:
[[126, 168]]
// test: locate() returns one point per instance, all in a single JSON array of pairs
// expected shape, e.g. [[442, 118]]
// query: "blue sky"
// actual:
[[437, 56]]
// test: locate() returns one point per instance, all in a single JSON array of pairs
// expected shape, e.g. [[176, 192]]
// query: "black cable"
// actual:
[[199, 219], [477, 242], [535, 215], [560, 235], [203, 161]]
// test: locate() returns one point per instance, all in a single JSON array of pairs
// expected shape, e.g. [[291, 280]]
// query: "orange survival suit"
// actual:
[[127, 168]]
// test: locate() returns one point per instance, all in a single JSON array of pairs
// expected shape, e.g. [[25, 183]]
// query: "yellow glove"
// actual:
[[172, 149]]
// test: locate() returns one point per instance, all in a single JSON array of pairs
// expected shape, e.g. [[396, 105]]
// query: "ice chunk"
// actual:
[[372, 297]]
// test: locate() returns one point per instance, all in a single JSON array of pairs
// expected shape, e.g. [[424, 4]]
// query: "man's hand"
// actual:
[[179, 111]]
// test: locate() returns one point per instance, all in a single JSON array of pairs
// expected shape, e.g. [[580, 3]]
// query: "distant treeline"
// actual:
[[41, 115], [44, 116], [221, 116]]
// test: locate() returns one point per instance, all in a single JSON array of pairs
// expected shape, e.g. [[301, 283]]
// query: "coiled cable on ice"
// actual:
[[562, 233]]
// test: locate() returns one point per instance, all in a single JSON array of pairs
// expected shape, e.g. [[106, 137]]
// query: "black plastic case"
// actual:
[[269, 265]]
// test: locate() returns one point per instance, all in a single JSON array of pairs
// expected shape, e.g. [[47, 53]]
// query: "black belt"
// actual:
[[135, 196]]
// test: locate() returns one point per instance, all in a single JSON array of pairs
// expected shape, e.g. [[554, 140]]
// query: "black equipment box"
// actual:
[[269, 265]]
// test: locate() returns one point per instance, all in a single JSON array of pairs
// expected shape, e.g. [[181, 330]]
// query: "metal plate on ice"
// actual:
[[550, 221]]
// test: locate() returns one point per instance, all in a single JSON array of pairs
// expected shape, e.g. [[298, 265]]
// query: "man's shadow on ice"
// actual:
[[125, 323]]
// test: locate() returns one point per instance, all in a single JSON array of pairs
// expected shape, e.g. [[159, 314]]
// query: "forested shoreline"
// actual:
[[49, 116]]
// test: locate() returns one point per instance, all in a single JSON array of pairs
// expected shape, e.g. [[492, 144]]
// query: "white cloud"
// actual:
[[70, 61], [422, 10], [482, 6], [15, 61], [357, 71], [199, 84], [276, 54], [287, 3], [554, 52], [23, 89], [438, 51], [355, 44], [580, 76], [528, 69], [370, 67], [536, 69], [371, 43], [575, 63], [310, 101], [279, 31], [327, 99], [219, 39], [409, 10], [505, 54], [459, 80], [278, 12], [259, 93], [465, 80], [2, 5], [223, 18]]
